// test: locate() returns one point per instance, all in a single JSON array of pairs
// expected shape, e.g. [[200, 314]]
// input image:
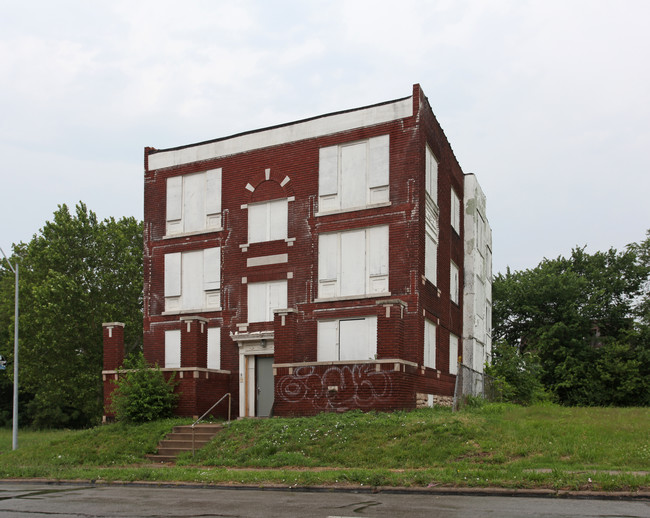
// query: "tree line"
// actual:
[[575, 330], [76, 273]]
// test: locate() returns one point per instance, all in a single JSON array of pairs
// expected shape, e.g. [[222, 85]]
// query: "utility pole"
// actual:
[[14, 440]]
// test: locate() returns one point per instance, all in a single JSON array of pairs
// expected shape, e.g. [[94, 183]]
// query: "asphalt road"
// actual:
[[22, 500]]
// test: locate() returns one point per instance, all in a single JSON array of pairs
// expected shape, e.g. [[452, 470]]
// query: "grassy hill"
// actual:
[[495, 445]]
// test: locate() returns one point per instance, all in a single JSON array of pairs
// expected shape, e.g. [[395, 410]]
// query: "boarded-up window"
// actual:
[[347, 339], [429, 344], [453, 354], [454, 283], [267, 221], [263, 298], [431, 181], [455, 212], [193, 280], [431, 216], [214, 348], [353, 263], [354, 175], [194, 202], [173, 349]]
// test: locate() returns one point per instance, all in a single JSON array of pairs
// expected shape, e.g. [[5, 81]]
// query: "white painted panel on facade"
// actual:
[[353, 175], [192, 279], [317, 127], [453, 354], [353, 263], [327, 340], [379, 195], [173, 275], [193, 202], [267, 259], [214, 348], [173, 349], [328, 170], [213, 191], [211, 268], [378, 151], [174, 198]]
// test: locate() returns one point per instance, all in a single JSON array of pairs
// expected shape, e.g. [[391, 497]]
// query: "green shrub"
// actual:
[[142, 393]]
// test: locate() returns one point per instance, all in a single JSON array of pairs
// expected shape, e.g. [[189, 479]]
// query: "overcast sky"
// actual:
[[547, 102]]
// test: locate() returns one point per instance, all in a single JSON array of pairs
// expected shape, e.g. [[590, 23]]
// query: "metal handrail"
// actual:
[[207, 412]]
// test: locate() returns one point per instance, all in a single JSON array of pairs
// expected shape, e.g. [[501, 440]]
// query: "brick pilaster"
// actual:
[[194, 342]]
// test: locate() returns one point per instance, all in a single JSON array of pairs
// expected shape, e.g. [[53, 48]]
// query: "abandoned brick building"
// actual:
[[333, 263]]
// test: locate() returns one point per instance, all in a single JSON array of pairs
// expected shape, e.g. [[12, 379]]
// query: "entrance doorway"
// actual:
[[264, 385]]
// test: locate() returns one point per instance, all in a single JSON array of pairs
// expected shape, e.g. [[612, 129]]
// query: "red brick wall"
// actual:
[[308, 390]]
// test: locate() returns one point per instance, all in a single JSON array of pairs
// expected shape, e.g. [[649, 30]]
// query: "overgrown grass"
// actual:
[[493, 445]]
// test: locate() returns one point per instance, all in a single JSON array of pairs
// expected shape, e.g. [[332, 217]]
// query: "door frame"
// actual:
[[251, 345]]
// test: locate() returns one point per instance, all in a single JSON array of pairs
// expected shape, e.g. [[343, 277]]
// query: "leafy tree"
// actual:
[[516, 375], [76, 273], [580, 316], [142, 394]]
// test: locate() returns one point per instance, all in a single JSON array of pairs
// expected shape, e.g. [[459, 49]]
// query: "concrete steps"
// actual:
[[180, 441]]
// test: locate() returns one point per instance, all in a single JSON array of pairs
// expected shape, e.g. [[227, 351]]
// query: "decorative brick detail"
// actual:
[[113, 345], [194, 342]]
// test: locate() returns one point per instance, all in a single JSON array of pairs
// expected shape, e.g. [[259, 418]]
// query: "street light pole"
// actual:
[[14, 440]]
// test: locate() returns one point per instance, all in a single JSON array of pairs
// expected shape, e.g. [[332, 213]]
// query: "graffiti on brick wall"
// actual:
[[357, 386]]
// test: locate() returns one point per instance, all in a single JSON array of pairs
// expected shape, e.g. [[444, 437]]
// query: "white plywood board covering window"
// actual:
[[353, 263], [193, 202], [431, 180], [193, 280], [455, 211], [354, 175], [214, 348], [454, 282], [173, 275], [453, 354], [267, 221], [263, 298], [429, 344], [173, 349], [347, 339]]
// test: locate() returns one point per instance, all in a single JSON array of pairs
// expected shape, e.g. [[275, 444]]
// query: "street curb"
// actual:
[[457, 491]]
